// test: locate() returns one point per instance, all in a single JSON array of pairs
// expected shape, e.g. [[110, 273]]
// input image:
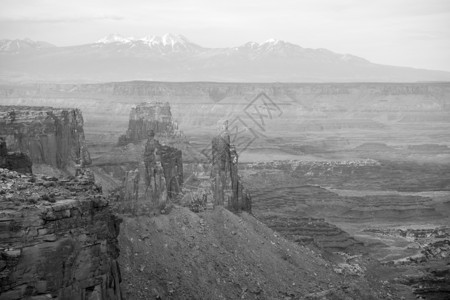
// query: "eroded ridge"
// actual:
[[58, 239]]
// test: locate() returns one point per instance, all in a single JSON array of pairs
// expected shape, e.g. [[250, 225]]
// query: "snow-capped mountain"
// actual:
[[279, 48], [115, 38], [163, 44], [15, 46], [175, 58]]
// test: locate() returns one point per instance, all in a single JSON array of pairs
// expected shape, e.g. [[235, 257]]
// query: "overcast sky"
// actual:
[[413, 33]]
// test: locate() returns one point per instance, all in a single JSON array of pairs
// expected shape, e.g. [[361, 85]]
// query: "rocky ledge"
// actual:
[[58, 239], [47, 135]]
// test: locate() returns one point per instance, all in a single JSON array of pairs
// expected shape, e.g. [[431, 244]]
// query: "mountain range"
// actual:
[[175, 58]]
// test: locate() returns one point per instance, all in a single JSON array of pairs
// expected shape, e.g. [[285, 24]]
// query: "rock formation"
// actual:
[[58, 239], [158, 179], [168, 159], [146, 117], [15, 161], [48, 136], [226, 185]]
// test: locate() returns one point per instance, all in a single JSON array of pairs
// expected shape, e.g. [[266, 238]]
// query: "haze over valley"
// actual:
[[224, 164]]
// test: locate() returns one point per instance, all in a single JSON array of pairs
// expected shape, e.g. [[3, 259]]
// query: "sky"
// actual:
[[411, 33]]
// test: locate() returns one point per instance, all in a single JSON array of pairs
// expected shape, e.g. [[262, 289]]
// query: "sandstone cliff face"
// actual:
[[49, 136], [15, 161], [227, 187], [146, 117], [58, 239], [158, 179]]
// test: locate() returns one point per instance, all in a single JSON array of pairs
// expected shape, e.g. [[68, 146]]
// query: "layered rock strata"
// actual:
[[301, 213], [15, 161], [47, 135], [158, 179], [58, 239], [315, 231], [147, 117], [227, 188]]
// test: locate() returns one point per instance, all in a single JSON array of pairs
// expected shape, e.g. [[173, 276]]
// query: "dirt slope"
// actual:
[[220, 255]]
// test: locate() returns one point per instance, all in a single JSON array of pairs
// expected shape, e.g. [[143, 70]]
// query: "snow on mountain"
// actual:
[[165, 40], [178, 44], [163, 44], [115, 38], [175, 58]]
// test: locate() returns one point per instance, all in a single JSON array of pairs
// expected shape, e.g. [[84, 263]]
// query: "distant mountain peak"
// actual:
[[272, 41], [173, 57], [164, 44], [115, 38], [18, 45], [168, 39]]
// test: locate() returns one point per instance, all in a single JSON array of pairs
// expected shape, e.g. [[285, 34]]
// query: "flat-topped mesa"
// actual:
[[146, 117], [51, 136], [158, 179], [226, 185], [58, 239], [14, 161]]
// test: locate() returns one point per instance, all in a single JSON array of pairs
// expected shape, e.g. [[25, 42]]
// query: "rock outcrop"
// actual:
[[47, 135], [15, 161], [226, 185], [146, 117], [158, 179], [58, 239]]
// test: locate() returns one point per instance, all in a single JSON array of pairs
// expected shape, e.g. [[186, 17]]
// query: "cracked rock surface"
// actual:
[[58, 239]]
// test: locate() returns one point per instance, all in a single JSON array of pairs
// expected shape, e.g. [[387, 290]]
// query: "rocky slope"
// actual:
[[220, 255], [50, 136], [58, 239]]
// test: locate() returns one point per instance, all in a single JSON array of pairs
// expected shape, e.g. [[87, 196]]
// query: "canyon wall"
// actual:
[[58, 239], [305, 106], [338, 116], [47, 135], [15, 161], [146, 117]]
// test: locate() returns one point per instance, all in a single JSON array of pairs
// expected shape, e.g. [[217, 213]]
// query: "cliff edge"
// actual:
[[58, 239], [47, 135]]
